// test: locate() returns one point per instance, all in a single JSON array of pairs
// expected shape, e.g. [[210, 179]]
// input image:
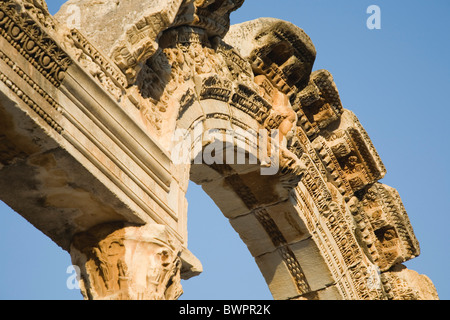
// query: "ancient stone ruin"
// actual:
[[102, 127]]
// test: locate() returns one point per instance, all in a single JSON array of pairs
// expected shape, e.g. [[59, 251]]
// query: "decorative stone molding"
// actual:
[[39, 10], [130, 49], [277, 49], [383, 212], [39, 111], [99, 66], [401, 283], [22, 32], [210, 15], [319, 104], [32, 104]]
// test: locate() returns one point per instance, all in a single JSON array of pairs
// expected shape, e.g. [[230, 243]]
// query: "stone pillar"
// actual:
[[119, 261]]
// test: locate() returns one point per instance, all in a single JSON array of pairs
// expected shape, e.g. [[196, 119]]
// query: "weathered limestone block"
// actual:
[[278, 277], [253, 233], [349, 155], [129, 43], [401, 283], [318, 105], [126, 262], [251, 190], [394, 239], [286, 217], [266, 228], [211, 15], [135, 40], [313, 265], [225, 198], [276, 49]]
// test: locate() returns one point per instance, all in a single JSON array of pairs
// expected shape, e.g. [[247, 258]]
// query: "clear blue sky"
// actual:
[[395, 79]]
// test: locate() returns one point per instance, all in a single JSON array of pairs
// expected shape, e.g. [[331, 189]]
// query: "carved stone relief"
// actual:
[[124, 262]]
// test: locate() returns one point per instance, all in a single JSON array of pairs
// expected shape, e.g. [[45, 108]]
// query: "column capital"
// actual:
[[119, 261]]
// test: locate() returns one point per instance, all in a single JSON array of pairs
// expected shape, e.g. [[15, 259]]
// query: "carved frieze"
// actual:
[[318, 105], [401, 283], [276, 49], [99, 66], [210, 15], [39, 10], [216, 88], [349, 155], [24, 34], [394, 238]]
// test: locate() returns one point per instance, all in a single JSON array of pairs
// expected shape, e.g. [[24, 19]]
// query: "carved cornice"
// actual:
[[24, 34], [27, 99], [139, 42], [109, 69], [211, 15]]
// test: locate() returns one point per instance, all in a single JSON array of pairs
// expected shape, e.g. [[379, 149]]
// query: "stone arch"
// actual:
[[226, 112], [299, 222], [258, 206], [320, 226]]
